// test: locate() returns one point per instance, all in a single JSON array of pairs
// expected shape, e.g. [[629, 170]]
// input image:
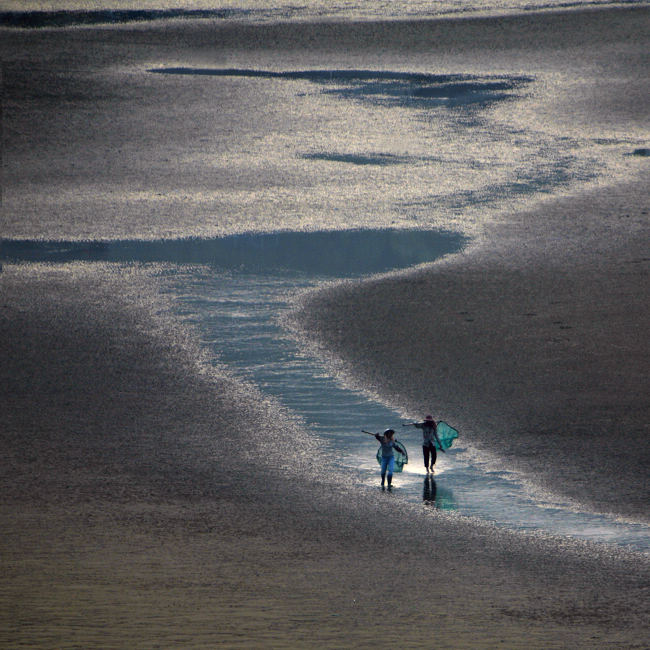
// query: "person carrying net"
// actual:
[[389, 447], [430, 441]]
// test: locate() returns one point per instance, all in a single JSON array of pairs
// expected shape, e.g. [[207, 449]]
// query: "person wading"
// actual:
[[387, 442], [429, 441]]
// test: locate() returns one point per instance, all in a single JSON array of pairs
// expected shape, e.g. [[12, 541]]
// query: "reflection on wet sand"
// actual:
[[435, 497], [429, 492]]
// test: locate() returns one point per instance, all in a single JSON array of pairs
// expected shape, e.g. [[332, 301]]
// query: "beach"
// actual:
[[141, 511], [150, 498], [542, 355]]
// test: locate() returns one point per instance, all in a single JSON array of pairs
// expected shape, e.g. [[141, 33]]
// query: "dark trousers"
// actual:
[[429, 451]]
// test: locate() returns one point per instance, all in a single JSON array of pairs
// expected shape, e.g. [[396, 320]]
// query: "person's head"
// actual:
[[429, 418], [389, 434]]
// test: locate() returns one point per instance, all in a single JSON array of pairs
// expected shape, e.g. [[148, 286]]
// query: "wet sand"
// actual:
[[533, 341], [534, 346], [144, 499], [141, 507]]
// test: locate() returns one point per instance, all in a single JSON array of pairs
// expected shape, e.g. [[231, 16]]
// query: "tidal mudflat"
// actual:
[[154, 494]]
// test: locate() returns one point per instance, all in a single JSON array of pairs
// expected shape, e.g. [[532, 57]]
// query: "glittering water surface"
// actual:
[[236, 298], [290, 143], [342, 163], [238, 315], [235, 291]]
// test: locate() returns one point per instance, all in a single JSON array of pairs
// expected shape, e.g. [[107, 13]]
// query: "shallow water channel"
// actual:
[[235, 290]]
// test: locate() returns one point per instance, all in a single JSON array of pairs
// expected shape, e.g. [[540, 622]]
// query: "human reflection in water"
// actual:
[[429, 491]]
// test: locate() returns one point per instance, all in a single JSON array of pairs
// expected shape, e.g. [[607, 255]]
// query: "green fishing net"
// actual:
[[446, 434]]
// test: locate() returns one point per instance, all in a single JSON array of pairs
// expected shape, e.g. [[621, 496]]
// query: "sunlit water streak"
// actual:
[[235, 291], [239, 318]]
